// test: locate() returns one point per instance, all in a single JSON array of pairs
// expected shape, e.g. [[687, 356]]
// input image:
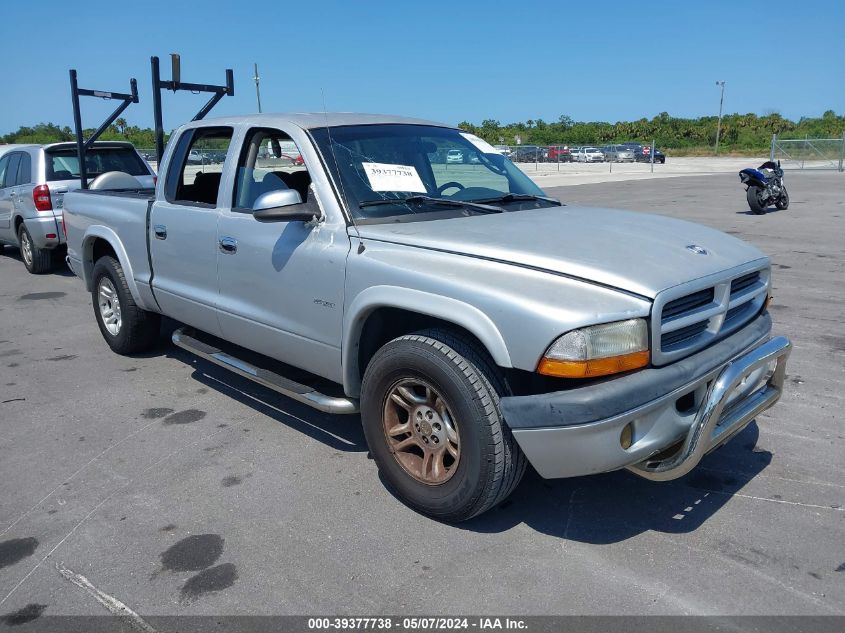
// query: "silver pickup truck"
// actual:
[[475, 323]]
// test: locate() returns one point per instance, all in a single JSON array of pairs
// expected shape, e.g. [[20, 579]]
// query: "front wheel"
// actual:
[[431, 417], [782, 202], [754, 195], [127, 328]]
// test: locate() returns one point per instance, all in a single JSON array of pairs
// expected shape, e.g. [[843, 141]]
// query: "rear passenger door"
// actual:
[[183, 229], [8, 179]]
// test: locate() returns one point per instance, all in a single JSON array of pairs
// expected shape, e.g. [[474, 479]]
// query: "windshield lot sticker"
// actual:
[[385, 177], [480, 144]]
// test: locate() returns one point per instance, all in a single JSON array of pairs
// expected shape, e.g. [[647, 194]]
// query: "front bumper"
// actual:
[[44, 231], [691, 419]]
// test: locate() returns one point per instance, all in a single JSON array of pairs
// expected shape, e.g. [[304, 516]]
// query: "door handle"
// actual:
[[229, 245], [160, 231]]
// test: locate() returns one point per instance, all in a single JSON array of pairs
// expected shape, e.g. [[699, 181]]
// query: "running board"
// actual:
[[302, 393]]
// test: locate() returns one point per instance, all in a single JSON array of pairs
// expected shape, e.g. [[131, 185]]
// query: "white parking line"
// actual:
[[114, 606]]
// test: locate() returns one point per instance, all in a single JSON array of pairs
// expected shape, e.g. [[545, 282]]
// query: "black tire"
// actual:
[[36, 260], [138, 329], [491, 463], [782, 202], [753, 197]]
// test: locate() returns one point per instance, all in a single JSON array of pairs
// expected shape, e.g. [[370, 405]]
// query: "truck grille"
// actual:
[[688, 318]]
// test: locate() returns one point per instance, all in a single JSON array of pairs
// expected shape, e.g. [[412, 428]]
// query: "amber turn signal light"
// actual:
[[594, 367]]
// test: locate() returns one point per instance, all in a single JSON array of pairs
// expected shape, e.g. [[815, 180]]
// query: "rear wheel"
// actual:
[[127, 328], [753, 195], [37, 260], [430, 411], [782, 202]]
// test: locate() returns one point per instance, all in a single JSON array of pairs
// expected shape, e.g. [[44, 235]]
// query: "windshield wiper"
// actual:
[[518, 197], [445, 202]]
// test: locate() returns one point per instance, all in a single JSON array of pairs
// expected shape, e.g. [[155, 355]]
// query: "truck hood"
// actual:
[[635, 252]]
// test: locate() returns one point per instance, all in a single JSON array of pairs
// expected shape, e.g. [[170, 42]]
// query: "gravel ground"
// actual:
[[178, 488]]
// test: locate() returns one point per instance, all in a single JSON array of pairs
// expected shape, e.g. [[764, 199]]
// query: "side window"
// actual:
[[269, 161], [197, 166], [25, 170], [4, 167], [10, 179]]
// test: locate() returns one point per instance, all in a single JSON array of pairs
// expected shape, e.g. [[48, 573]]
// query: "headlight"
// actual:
[[598, 350]]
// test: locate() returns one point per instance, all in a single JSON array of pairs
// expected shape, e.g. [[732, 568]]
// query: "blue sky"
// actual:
[[447, 61]]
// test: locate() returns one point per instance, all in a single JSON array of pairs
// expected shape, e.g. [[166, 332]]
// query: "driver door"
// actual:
[[280, 283]]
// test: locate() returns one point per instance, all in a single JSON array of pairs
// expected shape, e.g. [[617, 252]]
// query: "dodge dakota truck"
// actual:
[[476, 324]]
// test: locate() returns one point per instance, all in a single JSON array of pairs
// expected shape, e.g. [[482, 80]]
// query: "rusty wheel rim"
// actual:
[[421, 431]]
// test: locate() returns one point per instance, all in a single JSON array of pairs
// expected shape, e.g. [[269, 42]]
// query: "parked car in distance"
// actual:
[[33, 181], [642, 153], [504, 150], [559, 154], [589, 155], [454, 156], [477, 324], [618, 153], [530, 154]]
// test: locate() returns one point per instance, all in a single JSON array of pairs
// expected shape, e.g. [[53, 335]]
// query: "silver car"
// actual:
[[618, 153], [33, 181]]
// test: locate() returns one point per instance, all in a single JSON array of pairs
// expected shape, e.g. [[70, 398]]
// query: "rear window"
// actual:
[[63, 164]]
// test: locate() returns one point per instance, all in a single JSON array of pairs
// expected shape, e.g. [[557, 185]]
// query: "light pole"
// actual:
[[257, 89], [721, 84]]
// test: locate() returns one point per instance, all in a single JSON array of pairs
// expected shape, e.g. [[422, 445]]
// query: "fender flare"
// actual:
[[463, 314], [102, 232]]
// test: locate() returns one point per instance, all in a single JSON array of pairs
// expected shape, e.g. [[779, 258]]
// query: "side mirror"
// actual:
[[284, 205]]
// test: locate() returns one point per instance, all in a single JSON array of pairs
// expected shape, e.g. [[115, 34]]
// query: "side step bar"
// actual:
[[302, 393]]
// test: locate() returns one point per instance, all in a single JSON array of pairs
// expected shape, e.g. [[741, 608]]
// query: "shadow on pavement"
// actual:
[[339, 432], [613, 507]]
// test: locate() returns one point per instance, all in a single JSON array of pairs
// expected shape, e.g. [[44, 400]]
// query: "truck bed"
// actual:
[[91, 214]]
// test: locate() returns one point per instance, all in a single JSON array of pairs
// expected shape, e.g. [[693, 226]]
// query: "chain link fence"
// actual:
[[614, 156], [809, 153]]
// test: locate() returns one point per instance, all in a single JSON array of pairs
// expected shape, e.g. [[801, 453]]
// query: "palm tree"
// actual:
[[121, 125]]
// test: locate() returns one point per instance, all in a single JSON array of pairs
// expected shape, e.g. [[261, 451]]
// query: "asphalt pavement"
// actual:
[[175, 487]]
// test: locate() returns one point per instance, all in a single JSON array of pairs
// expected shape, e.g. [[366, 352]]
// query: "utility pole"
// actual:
[[257, 88], [721, 84]]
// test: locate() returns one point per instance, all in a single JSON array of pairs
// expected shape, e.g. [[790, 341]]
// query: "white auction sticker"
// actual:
[[385, 177], [481, 145]]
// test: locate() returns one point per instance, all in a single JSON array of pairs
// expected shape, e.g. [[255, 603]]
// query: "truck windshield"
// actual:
[[63, 164], [412, 169]]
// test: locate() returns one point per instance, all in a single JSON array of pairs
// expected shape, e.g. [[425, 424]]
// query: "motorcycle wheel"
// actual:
[[753, 196], [782, 202]]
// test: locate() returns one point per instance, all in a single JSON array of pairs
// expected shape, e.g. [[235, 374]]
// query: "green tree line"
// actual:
[[741, 133], [52, 133]]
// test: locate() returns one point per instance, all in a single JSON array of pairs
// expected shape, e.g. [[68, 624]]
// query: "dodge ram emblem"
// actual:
[[698, 250]]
